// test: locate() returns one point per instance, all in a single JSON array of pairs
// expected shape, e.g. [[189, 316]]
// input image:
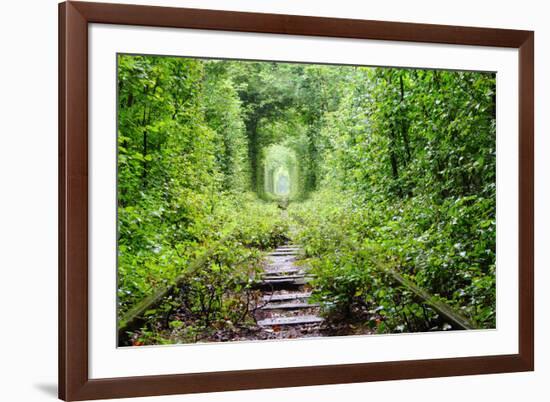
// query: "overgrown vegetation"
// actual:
[[409, 175], [385, 169]]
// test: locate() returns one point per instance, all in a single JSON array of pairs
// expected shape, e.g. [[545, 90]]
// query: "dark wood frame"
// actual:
[[74, 383]]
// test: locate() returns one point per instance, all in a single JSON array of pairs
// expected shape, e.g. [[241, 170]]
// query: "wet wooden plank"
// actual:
[[287, 296], [281, 267], [282, 270], [281, 262], [282, 281], [281, 259], [282, 276], [290, 281], [288, 306], [297, 320]]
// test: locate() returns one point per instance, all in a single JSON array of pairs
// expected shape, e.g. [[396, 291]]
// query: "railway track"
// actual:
[[285, 310]]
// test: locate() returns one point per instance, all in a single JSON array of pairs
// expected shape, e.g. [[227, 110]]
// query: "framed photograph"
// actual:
[[261, 200]]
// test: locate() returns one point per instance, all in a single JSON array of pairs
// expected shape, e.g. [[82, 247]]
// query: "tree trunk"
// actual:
[[403, 122]]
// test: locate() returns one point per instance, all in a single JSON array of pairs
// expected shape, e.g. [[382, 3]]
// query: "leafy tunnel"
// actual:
[[281, 172], [384, 170]]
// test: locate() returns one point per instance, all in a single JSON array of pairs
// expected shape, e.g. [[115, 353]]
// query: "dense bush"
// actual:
[[183, 175], [409, 168], [390, 169]]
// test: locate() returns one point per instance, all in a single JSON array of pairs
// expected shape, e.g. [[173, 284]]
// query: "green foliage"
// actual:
[[182, 174], [409, 168], [389, 168]]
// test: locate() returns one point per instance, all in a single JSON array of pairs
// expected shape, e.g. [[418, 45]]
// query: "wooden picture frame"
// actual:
[[74, 381]]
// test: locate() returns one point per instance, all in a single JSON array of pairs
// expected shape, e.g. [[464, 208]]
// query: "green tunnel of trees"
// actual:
[[383, 167]]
